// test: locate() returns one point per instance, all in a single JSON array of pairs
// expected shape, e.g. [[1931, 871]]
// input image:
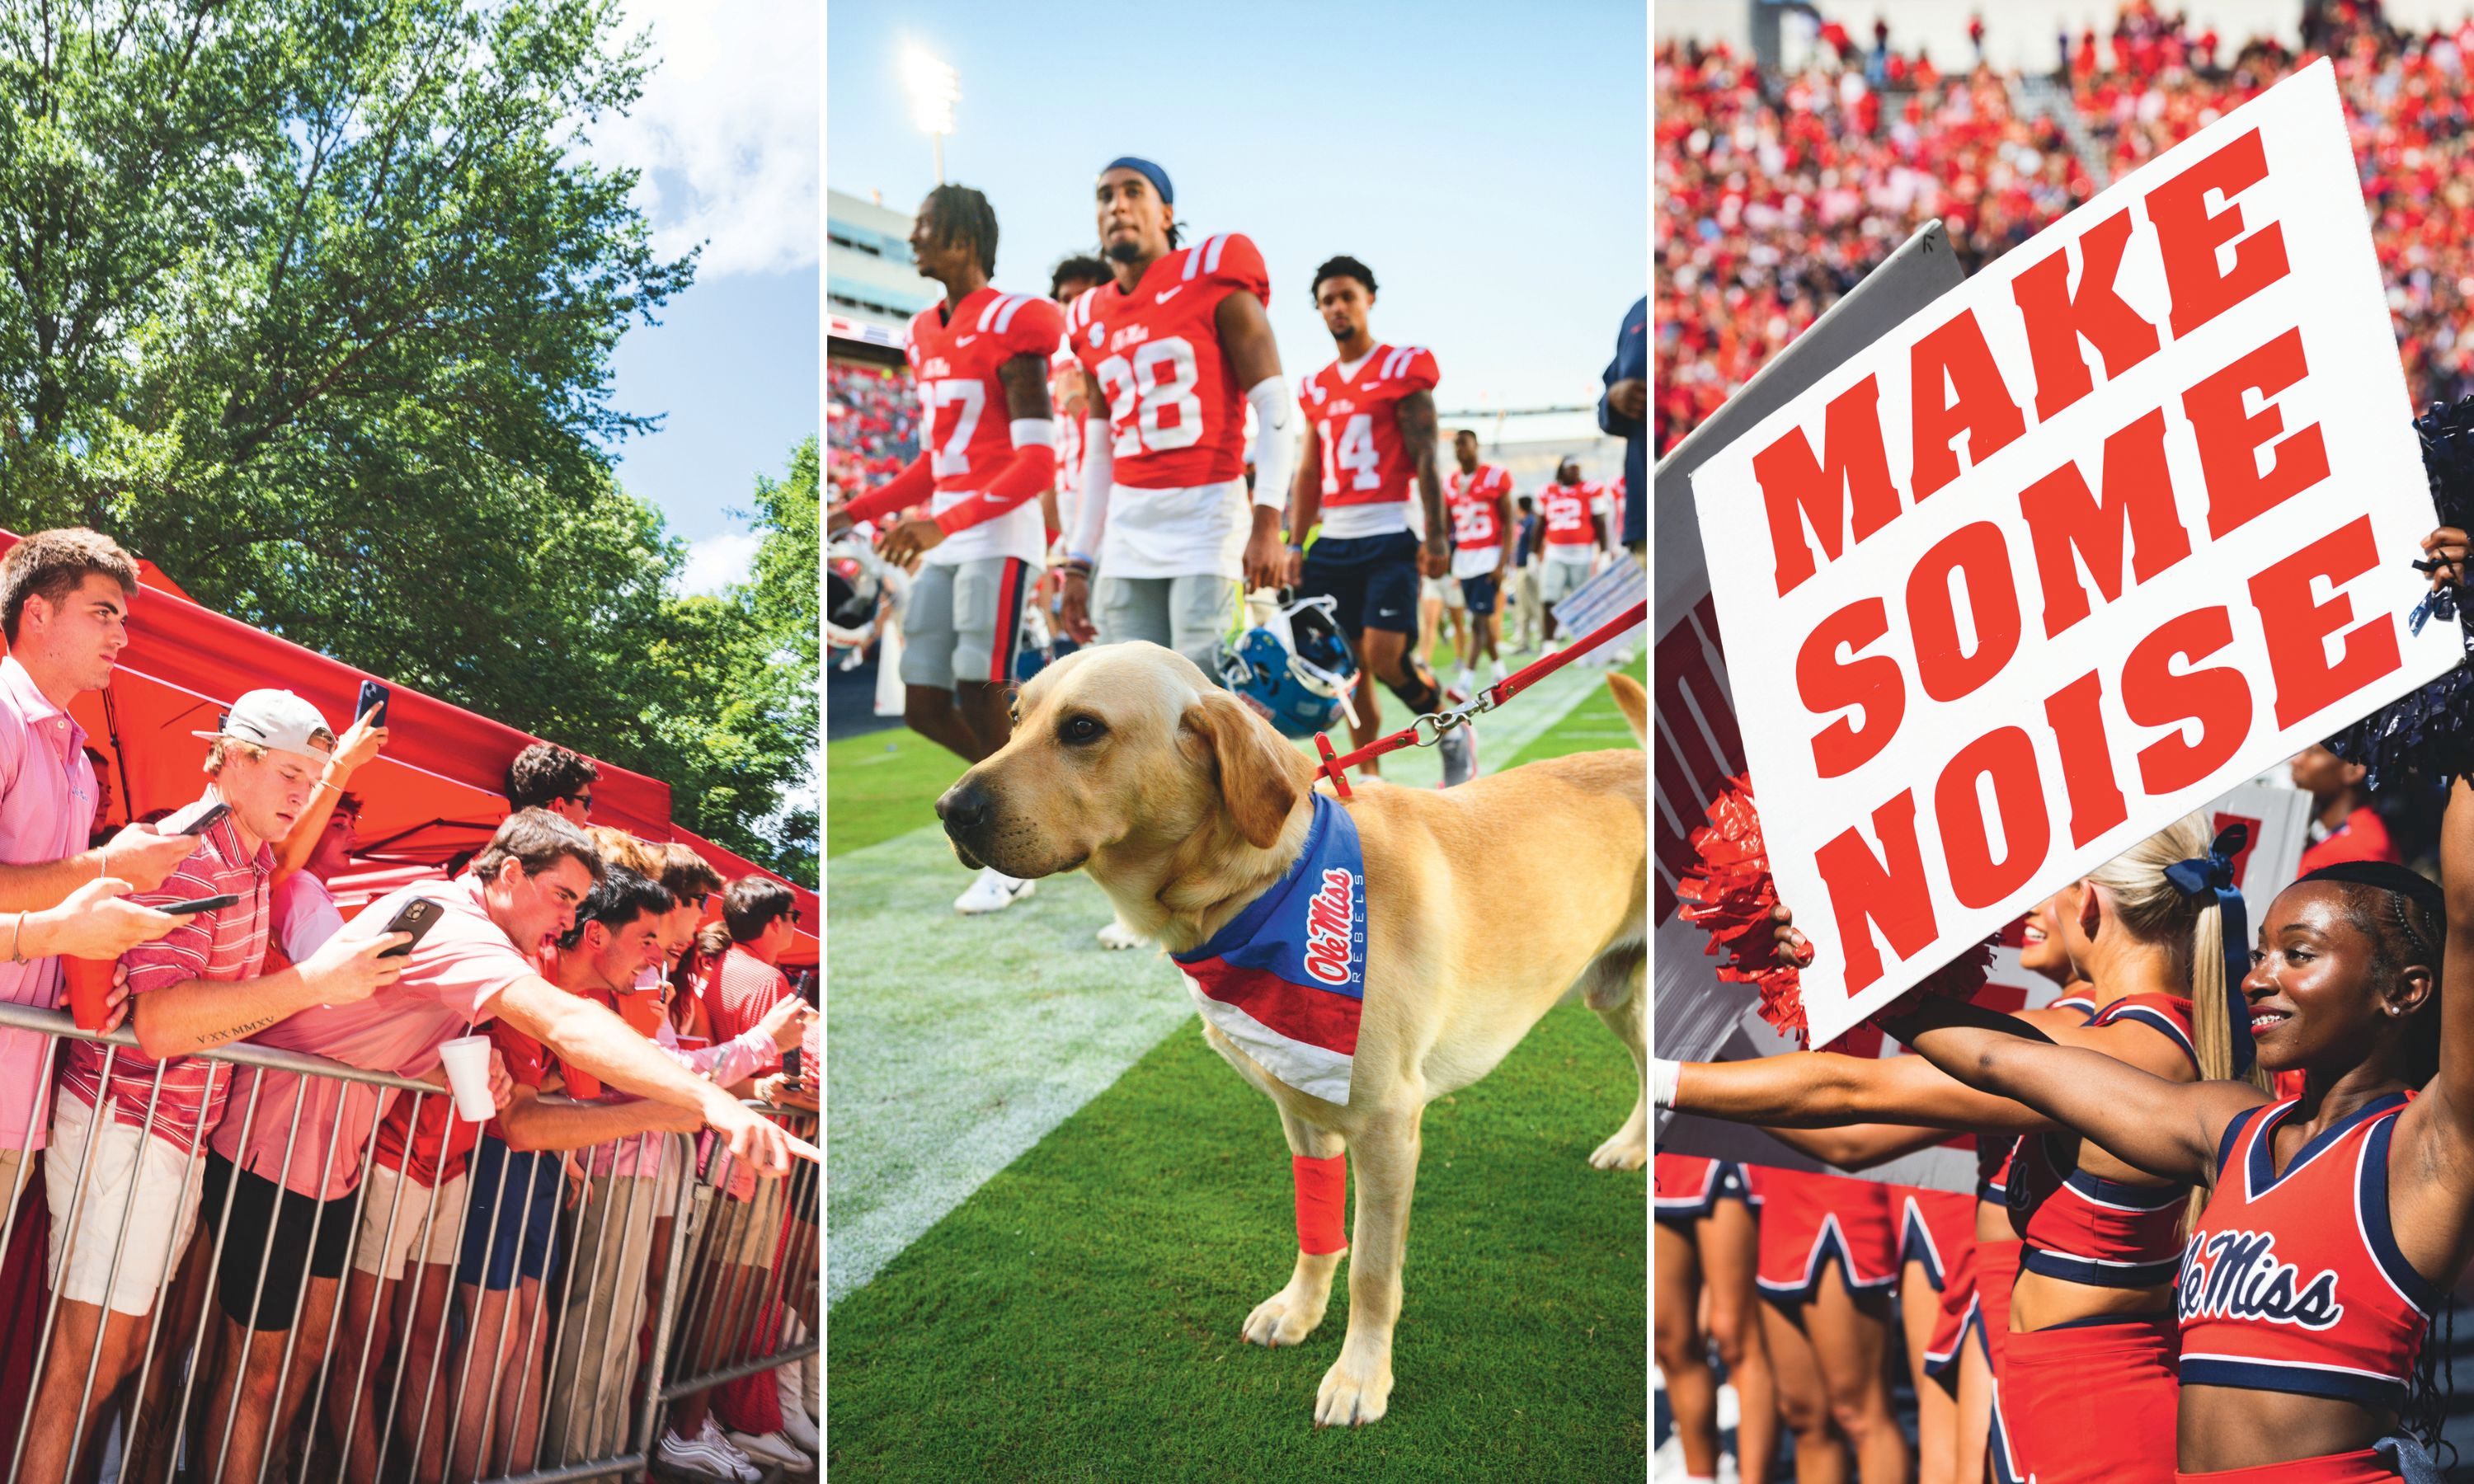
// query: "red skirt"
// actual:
[[2369, 1466], [1811, 1221], [1996, 1268], [1937, 1229], [2093, 1401]]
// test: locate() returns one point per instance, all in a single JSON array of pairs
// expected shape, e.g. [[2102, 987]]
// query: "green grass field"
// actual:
[[1076, 1316]]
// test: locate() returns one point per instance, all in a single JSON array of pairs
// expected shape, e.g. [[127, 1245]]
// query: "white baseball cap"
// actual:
[[278, 721]]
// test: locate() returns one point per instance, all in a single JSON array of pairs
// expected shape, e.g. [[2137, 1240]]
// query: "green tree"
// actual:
[[313, 304]]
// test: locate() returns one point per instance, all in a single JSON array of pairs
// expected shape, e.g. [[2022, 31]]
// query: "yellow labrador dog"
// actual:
[[1185, 806]]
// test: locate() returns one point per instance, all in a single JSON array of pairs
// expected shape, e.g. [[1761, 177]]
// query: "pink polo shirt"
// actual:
[[458, 969], [46, 807]]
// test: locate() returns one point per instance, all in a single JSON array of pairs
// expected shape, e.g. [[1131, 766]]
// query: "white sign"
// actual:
[[2065, 553]]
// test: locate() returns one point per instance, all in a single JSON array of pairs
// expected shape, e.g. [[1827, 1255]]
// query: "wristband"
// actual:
[[1663, 1076]]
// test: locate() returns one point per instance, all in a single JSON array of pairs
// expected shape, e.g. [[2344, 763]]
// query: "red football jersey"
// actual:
[[1175, 412], [1473, 499], [964, 424], [1357, 421], [1568, 508]]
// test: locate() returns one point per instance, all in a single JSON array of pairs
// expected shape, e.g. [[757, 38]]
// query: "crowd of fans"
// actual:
[[1776, 194], [294, 1271], [871, 423]]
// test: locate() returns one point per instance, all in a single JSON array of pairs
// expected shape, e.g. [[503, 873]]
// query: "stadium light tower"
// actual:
[[933, 90]]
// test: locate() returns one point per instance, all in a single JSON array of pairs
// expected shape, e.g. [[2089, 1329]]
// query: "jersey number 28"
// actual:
[[1161, 375]]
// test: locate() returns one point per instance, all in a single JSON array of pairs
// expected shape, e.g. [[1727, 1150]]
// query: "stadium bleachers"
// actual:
[[872, 429]]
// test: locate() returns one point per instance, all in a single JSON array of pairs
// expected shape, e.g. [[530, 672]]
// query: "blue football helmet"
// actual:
[[1296, 669]]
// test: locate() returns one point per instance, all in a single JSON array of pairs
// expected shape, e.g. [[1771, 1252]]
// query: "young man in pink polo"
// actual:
[[288, 1185], [64, 599], [128, 1126]]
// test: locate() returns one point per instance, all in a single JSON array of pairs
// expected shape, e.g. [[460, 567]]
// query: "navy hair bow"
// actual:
[[2213, 871]]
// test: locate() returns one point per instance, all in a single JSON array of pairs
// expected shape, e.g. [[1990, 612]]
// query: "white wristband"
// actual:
[[1663, 1075]]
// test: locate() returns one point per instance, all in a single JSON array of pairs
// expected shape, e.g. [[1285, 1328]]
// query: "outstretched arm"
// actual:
[[1861, 1146], [1820, 1090], [2165, 1127]]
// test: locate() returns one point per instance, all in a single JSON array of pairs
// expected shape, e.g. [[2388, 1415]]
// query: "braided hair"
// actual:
[[2405, 917], [963, 216]]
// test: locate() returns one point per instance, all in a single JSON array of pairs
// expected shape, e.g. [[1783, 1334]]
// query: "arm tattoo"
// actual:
[[238, 1032], [1416, 413], [1025, 377]]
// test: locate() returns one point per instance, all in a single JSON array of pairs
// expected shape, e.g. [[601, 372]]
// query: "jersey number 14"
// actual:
[[1354, 451]]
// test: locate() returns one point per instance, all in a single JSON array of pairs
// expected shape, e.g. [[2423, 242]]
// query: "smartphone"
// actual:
[[417, 917], [197, 904], [790, 1065], [205, 820], [373, 694]]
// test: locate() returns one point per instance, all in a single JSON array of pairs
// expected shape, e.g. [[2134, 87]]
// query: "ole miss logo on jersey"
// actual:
[[1174, 408], [2236, 1274], [1356, 419]]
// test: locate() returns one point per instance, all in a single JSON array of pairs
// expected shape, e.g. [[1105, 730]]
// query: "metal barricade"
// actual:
[[539, 1386]]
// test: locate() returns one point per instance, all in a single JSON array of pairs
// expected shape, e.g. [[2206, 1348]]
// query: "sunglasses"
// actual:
[[583, 800]]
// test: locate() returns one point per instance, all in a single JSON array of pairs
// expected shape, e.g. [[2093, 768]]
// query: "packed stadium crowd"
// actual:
[[1776, 194], [246, 1267], [872, 428]]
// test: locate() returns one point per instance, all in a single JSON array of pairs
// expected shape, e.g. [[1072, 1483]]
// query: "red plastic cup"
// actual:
[[89, 986]]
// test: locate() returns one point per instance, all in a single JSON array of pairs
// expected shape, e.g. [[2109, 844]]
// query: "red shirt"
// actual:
[[742, 990], [1175, 412], [1356, 420], [1570, 520], [226, 946], [431, 1148], [1475, 500], [965, 426], [2364, 836]]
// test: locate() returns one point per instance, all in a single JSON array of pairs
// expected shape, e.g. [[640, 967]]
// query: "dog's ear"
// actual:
[[1261, 777]]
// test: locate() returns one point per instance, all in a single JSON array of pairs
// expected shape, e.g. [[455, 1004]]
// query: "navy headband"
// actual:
[[2213, 874], [1148, 171]]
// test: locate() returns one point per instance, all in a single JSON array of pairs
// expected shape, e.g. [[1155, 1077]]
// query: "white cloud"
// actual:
[[727, 133], [715, 561]]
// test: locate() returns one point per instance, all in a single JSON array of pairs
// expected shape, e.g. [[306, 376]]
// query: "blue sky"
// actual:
[[1490, 163], [726, 137]]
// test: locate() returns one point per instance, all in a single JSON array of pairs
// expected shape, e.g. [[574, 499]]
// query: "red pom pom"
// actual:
[[1730, 894], [1731, 897]]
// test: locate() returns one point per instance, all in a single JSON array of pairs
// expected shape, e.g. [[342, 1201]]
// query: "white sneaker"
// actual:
[[708, 1455], [852, 660], [796, 1424], [1546, 650], [1499, 676], [770, 1447], [993, 892], [1117, 935], [1467, 684]]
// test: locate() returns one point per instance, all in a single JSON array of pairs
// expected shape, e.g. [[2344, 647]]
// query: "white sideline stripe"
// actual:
[[957, 1044]]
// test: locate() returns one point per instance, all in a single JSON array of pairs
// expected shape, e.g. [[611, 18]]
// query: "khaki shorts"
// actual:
[[380, 1248], [1445, 591], [130, 1259], [1560, 580]]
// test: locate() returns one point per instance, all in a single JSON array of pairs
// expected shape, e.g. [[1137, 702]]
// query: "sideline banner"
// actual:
[[2111, 527]]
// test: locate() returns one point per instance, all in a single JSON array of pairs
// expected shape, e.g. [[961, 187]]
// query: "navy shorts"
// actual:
[[1477, 594], [527, 1215], [1374, 579]]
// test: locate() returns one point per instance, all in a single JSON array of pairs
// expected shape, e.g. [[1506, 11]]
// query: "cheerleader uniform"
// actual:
[[1687, 1187], [2293, 1282], [2091, 1401], [1937, 1229], [1810, 1221]]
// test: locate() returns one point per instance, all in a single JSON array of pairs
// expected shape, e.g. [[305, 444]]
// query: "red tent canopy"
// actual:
[[431, 795]]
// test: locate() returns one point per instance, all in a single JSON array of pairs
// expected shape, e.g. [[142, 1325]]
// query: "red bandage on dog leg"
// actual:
[[1323, 1194]]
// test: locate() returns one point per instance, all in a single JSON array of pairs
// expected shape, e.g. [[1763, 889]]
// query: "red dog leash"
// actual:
[[1428, 730]]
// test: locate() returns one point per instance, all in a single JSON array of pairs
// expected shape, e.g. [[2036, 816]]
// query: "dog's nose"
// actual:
[[964, 806]]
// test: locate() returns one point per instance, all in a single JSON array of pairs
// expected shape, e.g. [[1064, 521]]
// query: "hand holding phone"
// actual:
[[205, 820], [417, 917], [373, 695], [198, 904]]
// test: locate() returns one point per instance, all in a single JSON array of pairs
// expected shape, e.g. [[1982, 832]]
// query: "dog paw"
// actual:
[[1283, 1319], [1628, 1150], [1353, 1393], [1118, 936]]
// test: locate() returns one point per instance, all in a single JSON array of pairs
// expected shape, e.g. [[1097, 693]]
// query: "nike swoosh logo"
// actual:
[[964, 341], [1165, 295]]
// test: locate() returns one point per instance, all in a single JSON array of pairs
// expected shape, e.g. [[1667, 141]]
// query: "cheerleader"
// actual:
[[2090, 1318], [1704, 1245]]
